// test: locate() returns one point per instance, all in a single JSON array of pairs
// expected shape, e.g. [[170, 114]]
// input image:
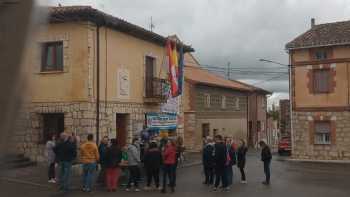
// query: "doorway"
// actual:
[[250, 134], [53, 124], [121, 129], [205, 130]]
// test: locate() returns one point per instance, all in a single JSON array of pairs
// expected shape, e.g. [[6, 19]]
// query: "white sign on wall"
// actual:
[[123, 83]]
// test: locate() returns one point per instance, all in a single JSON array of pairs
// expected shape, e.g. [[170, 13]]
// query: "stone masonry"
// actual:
[[303, 148], [79, 117]]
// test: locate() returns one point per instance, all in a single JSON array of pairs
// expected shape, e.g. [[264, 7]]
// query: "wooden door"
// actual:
[[121, 126]]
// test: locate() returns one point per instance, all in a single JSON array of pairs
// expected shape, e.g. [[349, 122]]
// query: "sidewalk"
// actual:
[[37, 175]]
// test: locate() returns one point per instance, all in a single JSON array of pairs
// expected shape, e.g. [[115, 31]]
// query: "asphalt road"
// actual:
[[289, 179]]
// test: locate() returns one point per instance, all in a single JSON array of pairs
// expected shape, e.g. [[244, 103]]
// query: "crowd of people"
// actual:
[[221, 154], [113, 160], [153, 158]]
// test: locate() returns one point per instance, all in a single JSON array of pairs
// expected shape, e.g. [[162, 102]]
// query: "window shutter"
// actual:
[[43, 57], [59, 56], [311, 132], [333, 132]]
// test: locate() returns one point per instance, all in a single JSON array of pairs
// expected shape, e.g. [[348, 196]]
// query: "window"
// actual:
[[150, 69], [223, 102], [207, 100], [322, 132], [52, 56], [53, 124], [237, 104], [320, 55], [263, 101], [258, 126], [321, 80]]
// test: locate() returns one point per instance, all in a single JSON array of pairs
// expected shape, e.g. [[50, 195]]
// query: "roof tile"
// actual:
[[337, 33]]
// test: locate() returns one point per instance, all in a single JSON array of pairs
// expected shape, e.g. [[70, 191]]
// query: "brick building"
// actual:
[[320, 60]]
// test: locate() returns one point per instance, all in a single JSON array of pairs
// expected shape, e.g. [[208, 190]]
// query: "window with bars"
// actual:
[[207, 100], [237, 107], [321, 80], [223, 102], [52, 56], [322, 132]]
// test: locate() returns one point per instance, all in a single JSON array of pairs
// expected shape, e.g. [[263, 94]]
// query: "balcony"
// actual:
[[156, 91]]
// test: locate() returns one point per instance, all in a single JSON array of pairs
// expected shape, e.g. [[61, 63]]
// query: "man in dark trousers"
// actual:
[[66, 152], [208, 161], [220, 161], [102, 149], [266, 157]]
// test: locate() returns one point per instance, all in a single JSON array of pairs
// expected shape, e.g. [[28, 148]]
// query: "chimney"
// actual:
[[312, 22]]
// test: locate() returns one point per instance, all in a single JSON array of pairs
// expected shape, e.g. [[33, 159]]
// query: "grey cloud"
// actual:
[[236, 31]]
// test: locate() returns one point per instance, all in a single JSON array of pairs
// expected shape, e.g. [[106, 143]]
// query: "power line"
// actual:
[[238, 71], [267, 80]]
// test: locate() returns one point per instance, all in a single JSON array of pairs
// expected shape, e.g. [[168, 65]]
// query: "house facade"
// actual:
[[90, 72], [284, 117], [320, 66], [213, 105], [257, 116]]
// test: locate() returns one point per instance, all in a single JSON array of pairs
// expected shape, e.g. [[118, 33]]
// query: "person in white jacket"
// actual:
[[51, 158]]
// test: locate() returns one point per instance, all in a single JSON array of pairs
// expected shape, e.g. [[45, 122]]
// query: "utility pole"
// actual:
[[228, 70], [151, 26]]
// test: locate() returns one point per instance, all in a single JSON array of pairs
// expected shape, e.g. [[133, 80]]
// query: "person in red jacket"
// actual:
[[169, 161]]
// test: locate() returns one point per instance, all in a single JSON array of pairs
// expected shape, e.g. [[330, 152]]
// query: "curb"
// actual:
[[26, 183], [319, 161]]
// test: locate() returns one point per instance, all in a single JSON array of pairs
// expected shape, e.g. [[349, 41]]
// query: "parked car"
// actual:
[[284, 146]]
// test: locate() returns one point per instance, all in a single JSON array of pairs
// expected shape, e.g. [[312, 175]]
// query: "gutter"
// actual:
[[98, 84]]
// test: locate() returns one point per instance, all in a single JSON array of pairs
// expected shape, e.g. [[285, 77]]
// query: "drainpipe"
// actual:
[[247, 140], [290, 67], [98, 84]]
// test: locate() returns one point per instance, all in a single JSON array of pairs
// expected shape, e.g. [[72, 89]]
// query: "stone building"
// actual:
[[284, 117], [320, 60], [213, 105], [90, 72]]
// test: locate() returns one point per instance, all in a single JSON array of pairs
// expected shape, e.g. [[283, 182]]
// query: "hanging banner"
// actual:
[[161, 121]]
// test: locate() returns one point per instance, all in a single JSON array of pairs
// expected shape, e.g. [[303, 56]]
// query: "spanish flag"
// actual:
[[173, 68]]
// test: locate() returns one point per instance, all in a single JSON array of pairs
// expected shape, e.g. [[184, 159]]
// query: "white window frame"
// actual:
[[322, 137], [237, 107], [207, 100], [223, 102]]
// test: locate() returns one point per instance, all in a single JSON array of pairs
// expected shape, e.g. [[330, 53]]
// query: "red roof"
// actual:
[[328, 34], [199, 75]]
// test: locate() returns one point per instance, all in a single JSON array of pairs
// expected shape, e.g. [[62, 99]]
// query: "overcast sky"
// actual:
[[236, 31]]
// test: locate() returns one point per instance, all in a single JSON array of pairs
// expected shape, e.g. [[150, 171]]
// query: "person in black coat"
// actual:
[[102, 149], [152, 161], [208, 162], [266, 157], [113, 157], [220, 162], [241, 160], [66, 153]]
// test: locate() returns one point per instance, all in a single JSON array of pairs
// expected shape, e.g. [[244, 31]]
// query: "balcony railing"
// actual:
[[157, 90]]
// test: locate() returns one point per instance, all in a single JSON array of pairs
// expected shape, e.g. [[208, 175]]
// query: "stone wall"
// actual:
[[303, 146], [79, 117], [192, 139]]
